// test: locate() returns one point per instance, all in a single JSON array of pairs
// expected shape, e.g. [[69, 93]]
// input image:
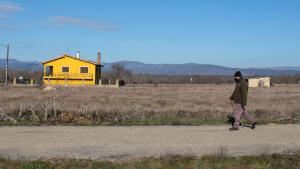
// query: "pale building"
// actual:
[[260, 82]]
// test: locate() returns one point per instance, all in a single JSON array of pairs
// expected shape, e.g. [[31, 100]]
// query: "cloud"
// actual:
[[7, 27], [80, 22], [8, 7]]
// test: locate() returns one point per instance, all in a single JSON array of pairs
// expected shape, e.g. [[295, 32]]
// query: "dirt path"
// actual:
[[132, 142]]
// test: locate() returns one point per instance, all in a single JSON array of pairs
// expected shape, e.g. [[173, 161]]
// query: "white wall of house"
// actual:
[[260, 82]]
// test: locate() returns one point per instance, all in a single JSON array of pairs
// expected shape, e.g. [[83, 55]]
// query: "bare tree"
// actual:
[[119, 72]]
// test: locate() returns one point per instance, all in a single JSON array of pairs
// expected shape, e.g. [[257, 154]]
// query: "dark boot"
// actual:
[[230, 120], [253, 126]]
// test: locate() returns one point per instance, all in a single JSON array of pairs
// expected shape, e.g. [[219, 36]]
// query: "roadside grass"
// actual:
[[138, 122], [141, 122], [170, 122], [275, 161], [21, 123]]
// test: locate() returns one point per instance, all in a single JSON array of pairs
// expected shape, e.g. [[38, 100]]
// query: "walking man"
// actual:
[[239, 98]]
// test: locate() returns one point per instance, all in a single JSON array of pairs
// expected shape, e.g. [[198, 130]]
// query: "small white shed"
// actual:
[[259, 82]]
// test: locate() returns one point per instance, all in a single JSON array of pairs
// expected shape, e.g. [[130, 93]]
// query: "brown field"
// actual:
[[146, 104]]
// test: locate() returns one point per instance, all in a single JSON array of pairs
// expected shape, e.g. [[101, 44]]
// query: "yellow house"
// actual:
[[69, 70]]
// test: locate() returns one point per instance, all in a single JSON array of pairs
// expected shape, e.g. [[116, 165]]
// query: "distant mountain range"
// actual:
[[200, 69], [21, 65], [297, 68], [170, 69]]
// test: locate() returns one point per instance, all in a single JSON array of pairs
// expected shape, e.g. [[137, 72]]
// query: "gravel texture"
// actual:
[[110, 143]]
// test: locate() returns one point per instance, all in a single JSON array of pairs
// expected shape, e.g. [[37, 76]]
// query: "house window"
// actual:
[[65, 69], [84, 70], [49, 70]]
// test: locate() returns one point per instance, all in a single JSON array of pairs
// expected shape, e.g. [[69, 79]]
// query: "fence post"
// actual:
[[117, 83]]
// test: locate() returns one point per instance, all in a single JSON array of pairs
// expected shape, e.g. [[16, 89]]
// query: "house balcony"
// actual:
[[69, 76]]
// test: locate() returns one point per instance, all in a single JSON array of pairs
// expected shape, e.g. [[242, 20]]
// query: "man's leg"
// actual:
[[249, 118], [237, 115], [230, 119]]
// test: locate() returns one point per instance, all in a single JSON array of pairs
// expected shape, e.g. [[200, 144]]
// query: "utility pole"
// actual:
[[6, 68]]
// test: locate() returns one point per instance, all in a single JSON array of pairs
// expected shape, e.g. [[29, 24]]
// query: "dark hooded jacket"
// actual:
[[239, 96]]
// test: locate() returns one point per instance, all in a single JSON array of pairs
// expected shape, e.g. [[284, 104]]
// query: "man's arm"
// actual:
[[244, 92], [232, 95]]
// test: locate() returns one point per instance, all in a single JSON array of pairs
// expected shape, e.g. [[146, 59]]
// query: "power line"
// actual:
[[6, 66]]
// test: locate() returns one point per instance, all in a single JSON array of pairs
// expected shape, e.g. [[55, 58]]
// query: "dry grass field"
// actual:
[[146, 104]]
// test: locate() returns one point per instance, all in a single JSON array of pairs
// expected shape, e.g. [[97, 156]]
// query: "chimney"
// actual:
[[78, 55], [99, 58]]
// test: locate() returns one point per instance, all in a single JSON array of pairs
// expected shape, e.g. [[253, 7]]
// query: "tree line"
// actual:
[[119, 72]]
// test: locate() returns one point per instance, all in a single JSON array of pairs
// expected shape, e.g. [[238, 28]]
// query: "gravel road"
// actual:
[[135, 142]]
